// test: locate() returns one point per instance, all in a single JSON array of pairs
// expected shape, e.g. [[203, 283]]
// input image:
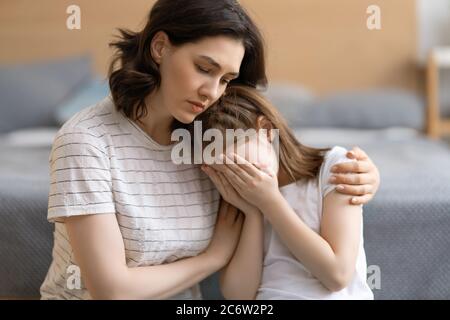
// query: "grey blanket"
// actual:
[[407, 225]]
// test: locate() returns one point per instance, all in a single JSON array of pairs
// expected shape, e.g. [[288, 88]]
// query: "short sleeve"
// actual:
[[80, 175], [334, 156]]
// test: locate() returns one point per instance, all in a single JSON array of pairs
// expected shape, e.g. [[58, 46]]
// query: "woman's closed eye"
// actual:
[[206, 71], [202, 70]]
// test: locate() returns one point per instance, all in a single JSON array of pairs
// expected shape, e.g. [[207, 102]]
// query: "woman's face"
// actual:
[[195, 75]]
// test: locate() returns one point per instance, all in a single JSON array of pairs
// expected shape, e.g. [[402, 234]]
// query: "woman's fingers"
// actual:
[[353, 179], [352, 167], [357, 153], [353, 190], [361, 199]]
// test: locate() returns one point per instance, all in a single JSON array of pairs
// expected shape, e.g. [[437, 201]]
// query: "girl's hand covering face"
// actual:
[[228, 192], [360, 178], [254, 183]]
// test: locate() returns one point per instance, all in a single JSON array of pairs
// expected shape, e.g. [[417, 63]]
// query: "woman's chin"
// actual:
[[185, 118]]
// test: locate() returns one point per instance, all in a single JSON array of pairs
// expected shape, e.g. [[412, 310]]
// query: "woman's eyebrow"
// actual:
[[218, 66]]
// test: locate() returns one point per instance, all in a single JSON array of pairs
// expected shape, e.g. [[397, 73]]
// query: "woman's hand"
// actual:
[[251, 183], [228, 192], [226, 234], [360, 178]]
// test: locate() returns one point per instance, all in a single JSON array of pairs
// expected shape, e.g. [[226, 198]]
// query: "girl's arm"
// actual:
[[241, 278], [331, 255], [99, 252]]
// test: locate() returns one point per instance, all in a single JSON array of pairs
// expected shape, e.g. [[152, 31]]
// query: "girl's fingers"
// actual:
[[361, 190], [239, 219], [213, 175], [237, 170], [354, 179], [352, 167], [242, 163], [231, 213], [226, 184], [228, 187], [223, 208], [232, 178]]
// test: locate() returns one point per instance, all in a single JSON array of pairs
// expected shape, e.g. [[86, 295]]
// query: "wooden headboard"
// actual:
[[322, 44]]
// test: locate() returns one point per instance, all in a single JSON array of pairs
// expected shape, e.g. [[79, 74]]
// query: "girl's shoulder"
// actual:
[[334, 156]]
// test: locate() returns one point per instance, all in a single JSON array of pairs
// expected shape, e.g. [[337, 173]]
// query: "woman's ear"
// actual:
[[159, 45], [263, 123]]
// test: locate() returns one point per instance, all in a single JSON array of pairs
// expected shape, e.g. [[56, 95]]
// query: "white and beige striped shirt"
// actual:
[[102, 162]]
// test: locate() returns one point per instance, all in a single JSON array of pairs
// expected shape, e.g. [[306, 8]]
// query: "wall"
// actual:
[[322, 44]]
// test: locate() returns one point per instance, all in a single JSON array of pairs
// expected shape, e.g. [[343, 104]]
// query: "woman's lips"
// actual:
[[196, 107]]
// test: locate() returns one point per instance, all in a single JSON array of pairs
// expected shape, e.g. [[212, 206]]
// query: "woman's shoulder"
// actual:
[[88, 124], [90, 118]]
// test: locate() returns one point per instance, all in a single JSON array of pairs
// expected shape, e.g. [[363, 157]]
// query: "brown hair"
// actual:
[[240, 107], [183, 21]]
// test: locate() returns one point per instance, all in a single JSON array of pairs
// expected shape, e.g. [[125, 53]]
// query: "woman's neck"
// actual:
[[156, 123]]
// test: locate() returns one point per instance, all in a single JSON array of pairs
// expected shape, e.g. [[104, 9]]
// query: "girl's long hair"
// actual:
[[133, 74], [239, 108]]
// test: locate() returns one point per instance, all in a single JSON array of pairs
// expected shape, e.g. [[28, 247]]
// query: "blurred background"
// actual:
[[352, 72]]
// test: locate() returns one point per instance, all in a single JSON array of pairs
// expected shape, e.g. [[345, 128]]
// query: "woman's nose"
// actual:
[[210, 90]]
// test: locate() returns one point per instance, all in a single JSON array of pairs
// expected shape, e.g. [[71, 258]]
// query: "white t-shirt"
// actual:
[[284, 277], [102, 162]]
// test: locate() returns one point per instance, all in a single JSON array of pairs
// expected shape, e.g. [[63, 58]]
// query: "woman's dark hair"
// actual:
[[183, 21]]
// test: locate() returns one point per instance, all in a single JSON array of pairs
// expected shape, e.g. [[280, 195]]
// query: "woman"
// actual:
[[301, 239], [137, 225]]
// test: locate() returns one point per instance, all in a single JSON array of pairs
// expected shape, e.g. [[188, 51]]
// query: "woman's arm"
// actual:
[[331, 255], [99, 251]]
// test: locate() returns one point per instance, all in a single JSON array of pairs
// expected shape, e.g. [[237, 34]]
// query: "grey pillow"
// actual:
[[31, 92], [373, 109], [291, 100]]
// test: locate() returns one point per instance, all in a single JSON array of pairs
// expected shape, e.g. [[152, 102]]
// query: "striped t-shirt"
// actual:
[[102, 162]]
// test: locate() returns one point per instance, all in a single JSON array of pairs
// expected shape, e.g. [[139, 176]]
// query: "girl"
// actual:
[[313, 243], [130, 223]]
